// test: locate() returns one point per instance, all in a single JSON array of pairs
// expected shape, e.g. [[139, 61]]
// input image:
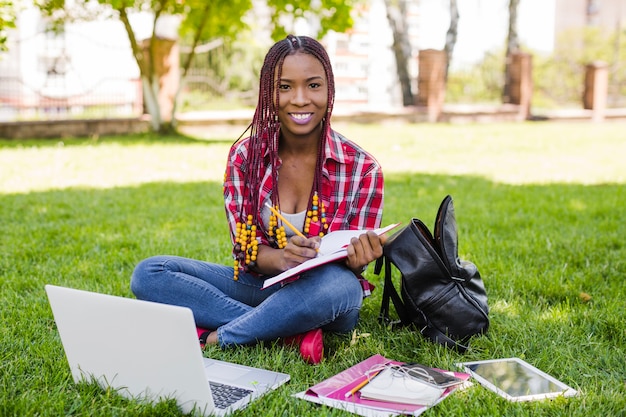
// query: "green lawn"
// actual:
[[540, 207]]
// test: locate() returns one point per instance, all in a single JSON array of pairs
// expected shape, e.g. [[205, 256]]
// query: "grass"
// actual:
[[540, 209]]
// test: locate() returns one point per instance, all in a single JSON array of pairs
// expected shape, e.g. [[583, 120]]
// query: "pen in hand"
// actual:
[[286, 222], [289, 225]]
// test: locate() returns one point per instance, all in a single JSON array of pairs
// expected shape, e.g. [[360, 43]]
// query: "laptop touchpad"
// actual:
[[225, 371]]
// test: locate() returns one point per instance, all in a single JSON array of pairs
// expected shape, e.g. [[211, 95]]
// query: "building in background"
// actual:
[[363, 61], [79, 71]]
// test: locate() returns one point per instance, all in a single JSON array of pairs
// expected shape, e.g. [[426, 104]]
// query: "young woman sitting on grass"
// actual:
[[319, 181]]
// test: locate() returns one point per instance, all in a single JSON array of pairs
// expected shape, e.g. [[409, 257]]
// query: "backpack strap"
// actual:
[[433, 334], [383, 316], [390, 293]]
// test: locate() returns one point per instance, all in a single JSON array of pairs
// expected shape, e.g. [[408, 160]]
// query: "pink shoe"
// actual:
[[311, 345]]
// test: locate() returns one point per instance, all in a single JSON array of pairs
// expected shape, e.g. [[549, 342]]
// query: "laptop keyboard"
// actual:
[[226, 395]]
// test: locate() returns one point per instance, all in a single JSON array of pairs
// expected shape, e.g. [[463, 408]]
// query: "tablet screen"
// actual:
[[516, 380]]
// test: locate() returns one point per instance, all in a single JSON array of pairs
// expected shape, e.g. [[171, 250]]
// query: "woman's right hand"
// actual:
[[272, 261], [299, 250]]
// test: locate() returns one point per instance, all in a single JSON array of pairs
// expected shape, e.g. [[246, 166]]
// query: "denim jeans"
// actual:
[[327, 297]]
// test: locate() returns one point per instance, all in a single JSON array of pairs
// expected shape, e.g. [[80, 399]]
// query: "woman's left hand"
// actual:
[[363, 250]]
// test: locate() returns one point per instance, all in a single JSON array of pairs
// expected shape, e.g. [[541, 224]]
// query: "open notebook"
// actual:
[[332, 248]]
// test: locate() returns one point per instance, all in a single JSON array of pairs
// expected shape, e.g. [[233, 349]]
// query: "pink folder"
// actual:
[[332, 391]]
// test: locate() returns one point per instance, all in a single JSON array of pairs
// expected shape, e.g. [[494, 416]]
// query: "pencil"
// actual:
[[289, 225], [361, 385]]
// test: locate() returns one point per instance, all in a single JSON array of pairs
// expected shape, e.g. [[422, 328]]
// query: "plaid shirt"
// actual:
[[352, 186]]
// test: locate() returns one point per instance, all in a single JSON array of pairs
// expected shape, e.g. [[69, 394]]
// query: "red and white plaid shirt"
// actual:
[[352, 186]]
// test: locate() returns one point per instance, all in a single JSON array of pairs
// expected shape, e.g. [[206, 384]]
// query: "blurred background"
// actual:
[[425, 59]]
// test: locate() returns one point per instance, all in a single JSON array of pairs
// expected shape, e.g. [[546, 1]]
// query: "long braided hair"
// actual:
[[265, 126]]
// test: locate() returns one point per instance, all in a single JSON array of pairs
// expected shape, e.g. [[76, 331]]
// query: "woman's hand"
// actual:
[[299, 250], [363, 250], [272, 261]]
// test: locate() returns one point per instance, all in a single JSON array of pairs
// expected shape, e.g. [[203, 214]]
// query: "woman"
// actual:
[[318, 180]]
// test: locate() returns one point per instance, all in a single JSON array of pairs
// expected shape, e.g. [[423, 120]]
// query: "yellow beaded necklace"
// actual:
[[316, 217], [246, 242]]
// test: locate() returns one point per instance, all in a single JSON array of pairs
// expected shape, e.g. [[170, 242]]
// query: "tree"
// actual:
[[512, 47], [201, 20], [7, 21], [451, 34], [396, 12], [329, 15]]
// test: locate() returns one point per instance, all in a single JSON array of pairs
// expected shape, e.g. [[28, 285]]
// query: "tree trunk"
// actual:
[[401, 47], [165, 81], [187, 64], [452, 34], [151, 102], [512, 46], [144, 54]]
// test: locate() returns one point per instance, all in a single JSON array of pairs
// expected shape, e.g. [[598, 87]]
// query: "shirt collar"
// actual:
[[333, 147]]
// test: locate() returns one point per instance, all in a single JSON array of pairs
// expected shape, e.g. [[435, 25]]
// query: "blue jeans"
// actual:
[[327, 297]]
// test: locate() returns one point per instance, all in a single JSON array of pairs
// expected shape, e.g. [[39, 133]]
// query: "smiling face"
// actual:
[[303, 96]]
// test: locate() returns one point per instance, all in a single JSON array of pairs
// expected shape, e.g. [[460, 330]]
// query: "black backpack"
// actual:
[[442, 296]]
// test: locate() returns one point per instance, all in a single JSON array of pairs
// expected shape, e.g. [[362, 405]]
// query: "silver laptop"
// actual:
[[150, 351]]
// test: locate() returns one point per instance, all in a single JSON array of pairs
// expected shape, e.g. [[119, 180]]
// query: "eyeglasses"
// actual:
[[417, 372], [399, 371]]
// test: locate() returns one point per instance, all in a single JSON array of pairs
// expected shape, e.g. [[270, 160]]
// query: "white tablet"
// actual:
[[516, 380]]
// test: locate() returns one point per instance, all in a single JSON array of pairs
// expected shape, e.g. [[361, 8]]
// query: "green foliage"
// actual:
[[228, 71], [83, 212], [480, 83], [559, 79], [224, 19], [7, 21], [332, 15]]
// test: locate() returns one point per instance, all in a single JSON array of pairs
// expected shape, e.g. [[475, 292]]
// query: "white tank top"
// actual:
[[297, 219]]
